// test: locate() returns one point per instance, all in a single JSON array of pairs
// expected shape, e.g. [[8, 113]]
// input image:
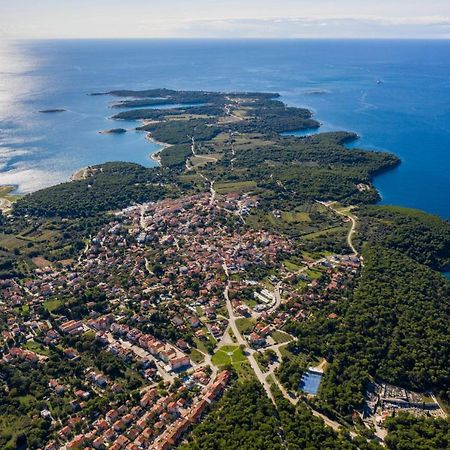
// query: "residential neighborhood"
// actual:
[[157, 293]]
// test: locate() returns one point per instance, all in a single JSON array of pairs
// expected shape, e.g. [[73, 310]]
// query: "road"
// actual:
[[248, 351], [352, 228], [142, 210], [263, 377], [211, 188], [277, 295], [148, 267], [351, 231], [84, 251], [229, 112], [331, 423], [208, 362], [194, 153]]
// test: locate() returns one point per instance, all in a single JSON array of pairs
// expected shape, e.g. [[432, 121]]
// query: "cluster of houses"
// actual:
[[156, 422], [72, 327], [336, 271], [164, 351], [20, 354], [194, 239]]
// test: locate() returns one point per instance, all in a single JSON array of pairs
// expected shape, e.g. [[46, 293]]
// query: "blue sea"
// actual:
[[394, 94]]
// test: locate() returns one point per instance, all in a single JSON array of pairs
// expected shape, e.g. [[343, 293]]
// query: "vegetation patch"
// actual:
[[280, 337], [421, 236], [228, 355], [245, 325], [239, 186]]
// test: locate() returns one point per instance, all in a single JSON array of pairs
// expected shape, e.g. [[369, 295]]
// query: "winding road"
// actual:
[[352, 230]]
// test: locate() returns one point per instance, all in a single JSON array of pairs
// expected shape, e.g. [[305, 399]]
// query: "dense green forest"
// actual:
[[245, 419], [421, 236], [180, 96], [395, 327], [110, 186], [406, 432], [146, 102], [326, 149], [182, 131], [175, 156], [289, 172], [276, 119]]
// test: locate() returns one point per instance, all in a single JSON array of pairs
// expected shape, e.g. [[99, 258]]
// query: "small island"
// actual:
[[54, 110], [114, 131]]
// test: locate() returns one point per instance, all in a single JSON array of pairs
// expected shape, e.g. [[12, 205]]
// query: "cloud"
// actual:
[[310, 23], [298, 27]]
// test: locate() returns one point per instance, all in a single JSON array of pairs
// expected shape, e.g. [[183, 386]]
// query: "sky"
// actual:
[[45, 19]]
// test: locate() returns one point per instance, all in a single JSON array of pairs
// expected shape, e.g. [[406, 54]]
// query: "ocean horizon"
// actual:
[[394, 94]]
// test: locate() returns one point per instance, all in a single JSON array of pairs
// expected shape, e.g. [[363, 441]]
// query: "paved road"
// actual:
[[294, 400], [277, 295], [351, 231], [211, 188], [248, 351], [352, 228]]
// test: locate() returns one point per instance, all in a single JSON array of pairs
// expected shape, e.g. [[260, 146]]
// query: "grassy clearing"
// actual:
[[292, 266], [226, 188], [251, 303], [228, 354], [201, 160], [280, 337], [36, 348], [295, 216], [221, 138], [285, 353], [245, 325], [326, 232], [196, 356], [232, 355], [11, 426], [193, 178], [26, 401], [200, 344], [313, 274], [22, 310], [52, 305], [245, 371]]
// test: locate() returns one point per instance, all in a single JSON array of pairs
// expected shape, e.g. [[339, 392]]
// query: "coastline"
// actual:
[[156, 155], [7, 197], [80, 174], [83, 173]]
